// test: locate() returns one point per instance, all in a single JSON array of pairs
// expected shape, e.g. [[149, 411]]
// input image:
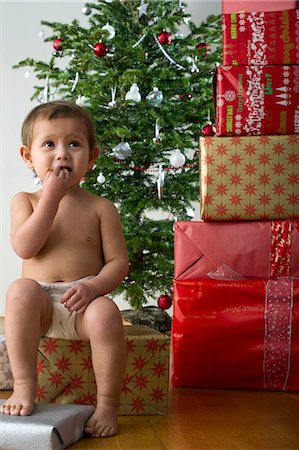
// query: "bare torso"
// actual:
[[74, 248]]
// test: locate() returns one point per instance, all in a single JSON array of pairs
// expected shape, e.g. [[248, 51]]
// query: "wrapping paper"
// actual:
[[65, 372], [50, 427], [260, 38], [254, 100], [6, 380], [249, 177], [229, 6], [240, 334], [253, 249]]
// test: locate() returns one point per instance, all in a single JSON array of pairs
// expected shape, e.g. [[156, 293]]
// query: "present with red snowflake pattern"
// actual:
[[254, 100], [260, 38], [229, 6], [65, 373], [249, 177]]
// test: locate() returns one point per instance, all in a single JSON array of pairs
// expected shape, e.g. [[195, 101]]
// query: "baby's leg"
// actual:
[[27, 317], [102, 325]]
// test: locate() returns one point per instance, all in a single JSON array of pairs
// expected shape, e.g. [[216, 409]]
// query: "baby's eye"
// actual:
[[75, 144], [49, 144]]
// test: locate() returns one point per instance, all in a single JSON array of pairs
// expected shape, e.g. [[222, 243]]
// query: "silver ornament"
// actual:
[[155, 97], [122, 150], [86, 10]]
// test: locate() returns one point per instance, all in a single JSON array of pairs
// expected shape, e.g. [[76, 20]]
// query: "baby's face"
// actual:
[[60, 143]]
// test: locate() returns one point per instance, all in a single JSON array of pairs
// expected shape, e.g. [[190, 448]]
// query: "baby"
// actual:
[[74, 253]]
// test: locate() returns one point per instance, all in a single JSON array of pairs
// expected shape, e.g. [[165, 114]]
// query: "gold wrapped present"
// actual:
[[65, 373]]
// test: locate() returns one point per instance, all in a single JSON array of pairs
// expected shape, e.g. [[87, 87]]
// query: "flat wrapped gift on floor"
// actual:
[[249, 177], [250, 249], [254, 100], [6, 380], [260, 38], [65, 372], [241, 334], [50, 427]]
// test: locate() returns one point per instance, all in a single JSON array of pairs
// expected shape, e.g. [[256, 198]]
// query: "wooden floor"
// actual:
[[209, 419]]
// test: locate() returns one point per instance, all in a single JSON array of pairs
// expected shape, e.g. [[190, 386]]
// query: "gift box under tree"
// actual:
[[65, 372], [249, 177], [229, 6]]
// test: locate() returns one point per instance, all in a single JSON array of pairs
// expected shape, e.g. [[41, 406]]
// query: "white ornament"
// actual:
[[86, 10], [41, 34], [101, 178], [177, 159], [122, 150], [82, 101], [155, 97], [133, 94], [113, 95], [160, 182], [110, 30], [142, 9], [27, 74]]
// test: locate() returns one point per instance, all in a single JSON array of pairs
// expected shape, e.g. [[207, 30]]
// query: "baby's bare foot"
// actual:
[[103, 422], [21, 403]]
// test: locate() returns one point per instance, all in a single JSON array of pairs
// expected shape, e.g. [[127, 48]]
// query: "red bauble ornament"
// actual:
[[100, 49], [208, 130], [203, 46], [57, 44], [164, 301], [164, 38]]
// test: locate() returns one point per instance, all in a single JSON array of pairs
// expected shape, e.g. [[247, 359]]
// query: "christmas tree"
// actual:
[[148, 87]]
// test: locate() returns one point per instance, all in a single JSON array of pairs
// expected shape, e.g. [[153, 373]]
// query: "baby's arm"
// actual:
[[116, 264], [31, 228]]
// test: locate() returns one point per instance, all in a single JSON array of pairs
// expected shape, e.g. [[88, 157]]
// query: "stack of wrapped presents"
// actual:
[[236, 281]]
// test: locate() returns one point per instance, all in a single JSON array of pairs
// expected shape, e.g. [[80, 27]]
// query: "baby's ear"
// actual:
[[26, 156], [93, 156]]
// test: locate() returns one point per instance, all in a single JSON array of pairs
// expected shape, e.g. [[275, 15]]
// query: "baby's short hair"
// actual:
[[54, 110]]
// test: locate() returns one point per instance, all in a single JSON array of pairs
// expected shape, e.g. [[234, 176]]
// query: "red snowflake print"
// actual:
[[208, 141], [208, 160], [49, 345], [63, 363], [250, 210], [264, 179], [250, 149], [208, 180], [279, 189], [88, 399], [221, 169], [264, 159], [221, 210], [76, 346], [130, 345], [278, 169], [278, 149], [76, 382], [56, 378], [158, 369], [87, 364], [293, 158], [236, 159], [293, 179], [40, 366], [293, 199], [141, 381], [68, 390], [221, 150], [236, 140], [165, 346], [250, 169], [221, 189], [127, 380], [152, 345], [208, 199], [279, 210], [137, 404], [264, 199], [236, 199], [249, 189], [236, 179], [157, 394], [293, 139], [264, 139], [139, 362], [41, 393]]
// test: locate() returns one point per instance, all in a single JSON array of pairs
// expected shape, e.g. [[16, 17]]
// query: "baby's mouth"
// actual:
[[65, 168]]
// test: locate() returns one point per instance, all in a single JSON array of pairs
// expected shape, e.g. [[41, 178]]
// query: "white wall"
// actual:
[[19, 28]]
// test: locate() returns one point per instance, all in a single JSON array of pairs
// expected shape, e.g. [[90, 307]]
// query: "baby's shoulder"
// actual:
[[101, 203]]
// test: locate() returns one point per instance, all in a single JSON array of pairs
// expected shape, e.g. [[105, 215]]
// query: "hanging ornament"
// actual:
[[133, 94], [101, 178], [160, 182], [57, 44], [164, 301], [208, 130], [204, 48], [180, 8], [27, 74], [100, 49], [186, 97], [155, 97], [46, 91], [177, 159], [75, 82], [122, 151], [157, 139], [194, 68], [142, 9], [110, 30], [86, 10], [82, 101], [41, 34], [113, 95], [164, 38]]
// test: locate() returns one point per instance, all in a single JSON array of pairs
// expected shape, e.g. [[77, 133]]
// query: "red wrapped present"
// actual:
[[249, 177], [260, 38], [65, 372], [253, 100], [236, 334], [257, 249], [229, 6]]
